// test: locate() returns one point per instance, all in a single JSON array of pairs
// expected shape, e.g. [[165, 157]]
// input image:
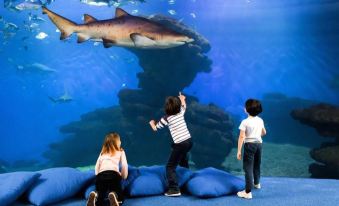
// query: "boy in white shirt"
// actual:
[[251, 130]]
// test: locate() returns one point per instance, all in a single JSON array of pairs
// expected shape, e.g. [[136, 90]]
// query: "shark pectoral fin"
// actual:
[[82, 37], [89, 19], [120, 12], [108, 43], [142, 41], [52, 99]]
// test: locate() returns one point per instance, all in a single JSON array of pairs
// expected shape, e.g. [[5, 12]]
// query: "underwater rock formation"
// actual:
[[325, 119], [276, 109], [165, 72]]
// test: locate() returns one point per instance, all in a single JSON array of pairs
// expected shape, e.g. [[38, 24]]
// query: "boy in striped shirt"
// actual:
[[175, 108]]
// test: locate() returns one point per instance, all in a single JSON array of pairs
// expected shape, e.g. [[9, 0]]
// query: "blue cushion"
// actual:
[[211, 182], [13, 185], [57, 184], [152, 180], [133, 173]]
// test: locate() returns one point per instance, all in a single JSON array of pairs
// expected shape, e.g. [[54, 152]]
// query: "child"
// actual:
[[175, 109], [108, 177], [251, 130]]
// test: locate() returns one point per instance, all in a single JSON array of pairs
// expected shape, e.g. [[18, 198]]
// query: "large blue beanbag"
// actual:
[[57, 184], [211, 182], [13, 185], [152, 181], [133, 173]]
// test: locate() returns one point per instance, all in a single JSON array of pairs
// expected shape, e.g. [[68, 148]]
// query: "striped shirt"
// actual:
[[177, 126]]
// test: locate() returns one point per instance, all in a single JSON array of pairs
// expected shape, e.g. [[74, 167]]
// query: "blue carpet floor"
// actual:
[[274, 192]]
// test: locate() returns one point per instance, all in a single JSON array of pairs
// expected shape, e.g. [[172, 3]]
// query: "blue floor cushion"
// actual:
[[57, 184], [152, 181], [211, 182], [13, 185]]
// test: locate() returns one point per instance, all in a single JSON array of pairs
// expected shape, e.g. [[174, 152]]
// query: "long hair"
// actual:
[[110, 145]]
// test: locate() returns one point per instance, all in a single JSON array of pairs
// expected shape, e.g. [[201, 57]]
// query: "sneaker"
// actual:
[[92, 199], [172, 193], [245, 195], [258, 186], [113, 199]]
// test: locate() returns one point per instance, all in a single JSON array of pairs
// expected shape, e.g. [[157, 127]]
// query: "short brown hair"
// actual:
[[172, 105]]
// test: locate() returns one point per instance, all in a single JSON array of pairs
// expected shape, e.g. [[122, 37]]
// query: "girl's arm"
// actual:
[[240, 143], [97, 166], [124, 165]]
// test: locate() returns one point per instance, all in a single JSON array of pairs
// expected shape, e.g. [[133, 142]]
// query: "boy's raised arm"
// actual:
[[182, 99]]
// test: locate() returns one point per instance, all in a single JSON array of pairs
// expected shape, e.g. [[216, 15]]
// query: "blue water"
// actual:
[[257, 47]]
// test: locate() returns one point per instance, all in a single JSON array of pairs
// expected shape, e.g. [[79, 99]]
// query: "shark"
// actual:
[[124, 30], [62, 99]]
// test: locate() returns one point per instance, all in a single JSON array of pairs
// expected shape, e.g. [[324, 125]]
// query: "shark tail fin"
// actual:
[[66, 26]]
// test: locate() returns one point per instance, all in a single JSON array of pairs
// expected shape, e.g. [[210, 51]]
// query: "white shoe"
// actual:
[[92, 199], [258, 186], [245, 195]]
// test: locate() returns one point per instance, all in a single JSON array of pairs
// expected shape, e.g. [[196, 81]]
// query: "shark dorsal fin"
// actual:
[[89, 18], [120, 12]]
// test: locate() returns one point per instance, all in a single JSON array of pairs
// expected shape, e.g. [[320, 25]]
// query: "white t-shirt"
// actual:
[[253, 127]]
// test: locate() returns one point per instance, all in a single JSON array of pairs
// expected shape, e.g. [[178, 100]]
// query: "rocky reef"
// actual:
[[165, 72], [276, 110], [325, 119]]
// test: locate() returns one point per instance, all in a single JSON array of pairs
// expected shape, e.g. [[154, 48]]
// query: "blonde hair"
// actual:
[[110, 145]]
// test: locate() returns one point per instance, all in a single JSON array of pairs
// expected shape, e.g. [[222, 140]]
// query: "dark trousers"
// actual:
[[251, 164], [106, 182], [178, 157]]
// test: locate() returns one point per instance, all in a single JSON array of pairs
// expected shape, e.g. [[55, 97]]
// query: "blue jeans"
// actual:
[[251, 164]]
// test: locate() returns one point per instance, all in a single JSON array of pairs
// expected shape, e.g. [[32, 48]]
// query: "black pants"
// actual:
[[178, 157], [251, 164], [106, 182]]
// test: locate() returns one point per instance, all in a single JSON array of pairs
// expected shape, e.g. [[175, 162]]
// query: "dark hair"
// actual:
[[253, 107], [172, 105]]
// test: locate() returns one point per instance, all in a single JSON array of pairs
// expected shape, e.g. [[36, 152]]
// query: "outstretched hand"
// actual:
[[181, 96], [152, 123]]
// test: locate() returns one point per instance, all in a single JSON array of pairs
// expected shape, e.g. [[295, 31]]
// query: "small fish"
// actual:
[[42, 67], [28, 6], [129, 60], [171, 2], [135, 11], [123, 85], [34, 17], [41, 35], [193, 15], [114, 57], [34, 26], [57, 30], [20, 67], [172, 12], [96, 43], [11, 26]]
